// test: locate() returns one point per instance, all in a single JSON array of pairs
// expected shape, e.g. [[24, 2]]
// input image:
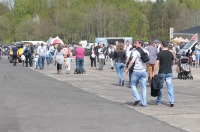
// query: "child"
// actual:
[[48, 56], [68, 64], [36, 61], [193, 59], [23, 59]]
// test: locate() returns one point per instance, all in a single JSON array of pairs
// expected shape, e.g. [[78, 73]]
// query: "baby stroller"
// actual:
[[77, 71], [184, 71]]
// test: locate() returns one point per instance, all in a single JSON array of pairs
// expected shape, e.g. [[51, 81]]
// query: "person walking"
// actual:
[[129, 57], [36, 58], [1, 51], [120, 58], [68, 59], [23, 59], [101, 57], [111, 51], [93, 55], [48, 56], [197, 53], [139, 75], [31, 52], [59, 58], [152, 59], [80, 53], [14, 57], [41, 52], [164, 61]]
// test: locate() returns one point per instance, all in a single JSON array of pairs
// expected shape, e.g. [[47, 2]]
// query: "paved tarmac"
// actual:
[[32, 102]]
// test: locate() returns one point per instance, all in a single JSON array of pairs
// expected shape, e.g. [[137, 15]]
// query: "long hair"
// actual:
[[120, 47]]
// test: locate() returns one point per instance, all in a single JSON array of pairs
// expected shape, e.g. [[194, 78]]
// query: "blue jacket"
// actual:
[[14, 49]]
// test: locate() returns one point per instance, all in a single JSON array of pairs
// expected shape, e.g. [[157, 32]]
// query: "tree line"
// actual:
[[74, 20]]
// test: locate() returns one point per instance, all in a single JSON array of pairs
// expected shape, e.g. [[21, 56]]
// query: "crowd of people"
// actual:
[[128, 57]]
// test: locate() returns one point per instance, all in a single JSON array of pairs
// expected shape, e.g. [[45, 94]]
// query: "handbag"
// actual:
[[93, 55]]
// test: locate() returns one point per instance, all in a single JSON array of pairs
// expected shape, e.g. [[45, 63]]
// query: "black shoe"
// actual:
[[123, 83], [171, 105], [136, 102]]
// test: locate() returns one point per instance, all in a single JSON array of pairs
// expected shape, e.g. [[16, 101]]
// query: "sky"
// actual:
[[7, 1]]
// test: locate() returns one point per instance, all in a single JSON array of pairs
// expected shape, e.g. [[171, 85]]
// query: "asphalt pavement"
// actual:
[[43, 101]]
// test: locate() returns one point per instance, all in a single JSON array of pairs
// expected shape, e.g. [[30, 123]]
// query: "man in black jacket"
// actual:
[[14, 57]]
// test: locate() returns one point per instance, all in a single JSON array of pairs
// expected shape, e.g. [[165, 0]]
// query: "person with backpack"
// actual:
[[140, 57], [120, 57]]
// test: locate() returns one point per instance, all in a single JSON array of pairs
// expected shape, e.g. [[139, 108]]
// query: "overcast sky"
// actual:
[[8, 1]]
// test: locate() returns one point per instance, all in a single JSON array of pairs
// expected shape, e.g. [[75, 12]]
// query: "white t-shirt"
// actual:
[[101, 54], [36, 58], [139, 64], [41, 50], [193, 57], [23, 57]]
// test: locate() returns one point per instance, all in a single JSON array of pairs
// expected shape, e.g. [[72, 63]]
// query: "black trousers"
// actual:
[[14, 57], [93, 61], [29, 60], [59, 66]]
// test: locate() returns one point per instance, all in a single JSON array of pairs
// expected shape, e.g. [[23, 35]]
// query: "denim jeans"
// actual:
[[35, 64], [120, 71], [168, 79], [79, 64], [48, 60], [137, 77], [41, 62]]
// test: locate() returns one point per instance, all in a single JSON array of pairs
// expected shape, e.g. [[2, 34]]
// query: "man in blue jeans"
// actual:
[[164, 62], [80, 53], [42, 54], [139, 75]]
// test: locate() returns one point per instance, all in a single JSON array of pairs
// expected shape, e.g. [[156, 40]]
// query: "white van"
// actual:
[[189, 46]]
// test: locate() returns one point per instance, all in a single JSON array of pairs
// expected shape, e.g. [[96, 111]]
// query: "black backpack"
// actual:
[[155, 86], [144, 56]]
